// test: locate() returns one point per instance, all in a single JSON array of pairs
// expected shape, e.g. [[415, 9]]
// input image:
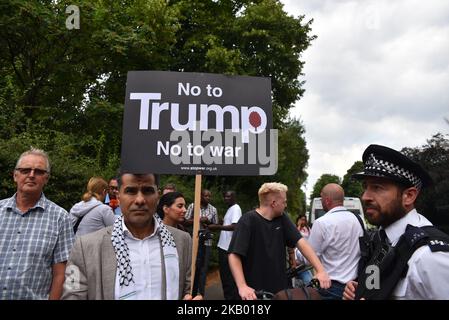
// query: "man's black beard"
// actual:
[[393, 213]]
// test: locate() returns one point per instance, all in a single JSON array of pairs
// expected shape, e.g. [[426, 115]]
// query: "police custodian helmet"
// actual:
[[384, 162]]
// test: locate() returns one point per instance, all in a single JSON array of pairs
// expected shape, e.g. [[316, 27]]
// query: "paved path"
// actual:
[[213, 290]]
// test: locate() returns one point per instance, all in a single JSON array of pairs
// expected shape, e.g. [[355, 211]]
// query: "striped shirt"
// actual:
[[210, 212], [30, 243]]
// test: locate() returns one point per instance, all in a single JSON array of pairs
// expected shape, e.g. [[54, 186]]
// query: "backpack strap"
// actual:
[[75, 227], [77, 223], [365, 244], [360, 220]]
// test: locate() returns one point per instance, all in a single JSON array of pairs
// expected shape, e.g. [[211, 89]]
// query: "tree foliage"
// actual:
[[63, 90], [352, 187], [293, 159], [321, 182], [434, 157]]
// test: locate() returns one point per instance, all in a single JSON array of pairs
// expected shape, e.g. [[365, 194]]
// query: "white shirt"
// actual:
[[232, 216], [145, 257], [335, 239], [428, 272]]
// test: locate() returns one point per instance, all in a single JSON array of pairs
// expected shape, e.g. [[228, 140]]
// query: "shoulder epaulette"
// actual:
[[439, 245], [427, 235], [413, 235]]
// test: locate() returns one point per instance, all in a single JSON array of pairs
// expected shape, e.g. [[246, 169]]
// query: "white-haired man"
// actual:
[[36, 235]]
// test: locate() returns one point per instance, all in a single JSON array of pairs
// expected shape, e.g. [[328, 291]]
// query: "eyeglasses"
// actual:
[[27, 171], [113, 188]]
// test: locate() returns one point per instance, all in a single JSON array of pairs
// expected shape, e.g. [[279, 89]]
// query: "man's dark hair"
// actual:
[[231, 192], [300, 216], [113, 178], [119, 178]]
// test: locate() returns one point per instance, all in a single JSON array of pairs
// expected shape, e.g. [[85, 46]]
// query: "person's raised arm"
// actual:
[[310, 255]]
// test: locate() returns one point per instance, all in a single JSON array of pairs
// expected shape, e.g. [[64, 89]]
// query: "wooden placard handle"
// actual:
[[196, 227]]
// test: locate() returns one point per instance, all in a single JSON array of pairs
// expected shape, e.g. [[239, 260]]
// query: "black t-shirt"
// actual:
[[261, 245]]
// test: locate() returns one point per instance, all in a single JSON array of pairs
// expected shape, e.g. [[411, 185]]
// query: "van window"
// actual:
[[352, 204], [319, 213]]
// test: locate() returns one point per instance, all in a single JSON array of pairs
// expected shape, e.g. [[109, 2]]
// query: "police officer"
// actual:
[[407, 258]]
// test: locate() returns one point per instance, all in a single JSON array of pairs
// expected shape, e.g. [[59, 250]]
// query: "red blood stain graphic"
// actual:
[[254, 119]]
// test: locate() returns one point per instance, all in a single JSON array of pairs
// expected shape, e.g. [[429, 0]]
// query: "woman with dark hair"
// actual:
[[172, 209], [303, 226]]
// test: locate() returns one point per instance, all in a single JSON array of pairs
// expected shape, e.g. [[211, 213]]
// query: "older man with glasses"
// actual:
[[36, 235]]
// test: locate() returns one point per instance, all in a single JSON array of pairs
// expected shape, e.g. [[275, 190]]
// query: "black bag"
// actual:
[[75, 227]]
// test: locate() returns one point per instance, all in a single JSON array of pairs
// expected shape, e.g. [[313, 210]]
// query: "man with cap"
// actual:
[[407, 258]]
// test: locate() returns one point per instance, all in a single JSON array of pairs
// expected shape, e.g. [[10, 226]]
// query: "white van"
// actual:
[[352, 204]]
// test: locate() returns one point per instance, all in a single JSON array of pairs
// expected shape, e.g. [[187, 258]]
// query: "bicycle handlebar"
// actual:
[[315, 283], [266, 295], [263, 295], [293, 272]]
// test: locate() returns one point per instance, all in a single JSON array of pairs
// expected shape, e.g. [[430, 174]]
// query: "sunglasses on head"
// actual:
[[27, 171]]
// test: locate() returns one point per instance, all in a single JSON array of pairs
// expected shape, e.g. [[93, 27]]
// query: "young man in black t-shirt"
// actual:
[[257, 249]]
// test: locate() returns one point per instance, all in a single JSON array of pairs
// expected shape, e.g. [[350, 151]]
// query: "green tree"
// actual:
[[352, 187], [248, 38], [63, 90], [293, 159], [433, 202], [70, 170], [39, 56], [321, 182]]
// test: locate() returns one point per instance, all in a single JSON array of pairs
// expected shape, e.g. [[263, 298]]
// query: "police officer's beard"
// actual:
[[388, 214]]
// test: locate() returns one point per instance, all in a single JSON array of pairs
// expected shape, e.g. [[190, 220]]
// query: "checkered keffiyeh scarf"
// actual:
[[169, 250]]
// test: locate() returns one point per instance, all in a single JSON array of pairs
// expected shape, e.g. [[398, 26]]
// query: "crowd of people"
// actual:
[[129, 240]]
